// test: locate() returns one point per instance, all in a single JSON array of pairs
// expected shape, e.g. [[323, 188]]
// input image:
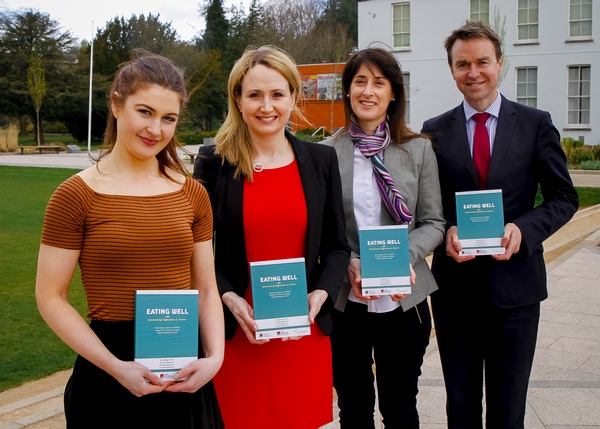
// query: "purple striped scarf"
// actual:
[[371, 146]]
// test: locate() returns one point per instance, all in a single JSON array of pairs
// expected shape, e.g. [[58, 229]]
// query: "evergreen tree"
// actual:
[[217, 26]]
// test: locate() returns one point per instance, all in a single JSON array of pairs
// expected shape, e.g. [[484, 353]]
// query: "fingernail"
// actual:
[[175, 376]]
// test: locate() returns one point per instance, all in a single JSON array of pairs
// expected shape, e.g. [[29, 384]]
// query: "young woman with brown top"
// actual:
[[133, 221]]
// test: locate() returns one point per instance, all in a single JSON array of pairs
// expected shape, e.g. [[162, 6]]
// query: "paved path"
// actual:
[[588, 178], [564, 388], [72, 160]]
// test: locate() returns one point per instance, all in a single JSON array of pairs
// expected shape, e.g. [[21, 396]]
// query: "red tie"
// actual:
[[481, 148]]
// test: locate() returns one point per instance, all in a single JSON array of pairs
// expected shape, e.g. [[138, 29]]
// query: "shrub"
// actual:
[[55, 128], [574, 150], [590, 165], [308, 134], [596, 152], [580, 154], [194, 137]]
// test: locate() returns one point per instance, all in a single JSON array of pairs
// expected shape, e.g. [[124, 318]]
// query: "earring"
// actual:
[[347, 95]]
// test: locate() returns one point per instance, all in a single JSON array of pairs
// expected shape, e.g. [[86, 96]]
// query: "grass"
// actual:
[[587, 197], [30, 350]]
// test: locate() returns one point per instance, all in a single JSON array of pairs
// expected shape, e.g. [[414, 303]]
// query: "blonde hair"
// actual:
[[233, 141]]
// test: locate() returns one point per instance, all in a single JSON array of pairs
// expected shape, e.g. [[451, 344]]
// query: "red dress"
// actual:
[[279, 384]]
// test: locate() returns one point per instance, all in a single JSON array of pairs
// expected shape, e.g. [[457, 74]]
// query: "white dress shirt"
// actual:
[[491, 124], [367, 211]]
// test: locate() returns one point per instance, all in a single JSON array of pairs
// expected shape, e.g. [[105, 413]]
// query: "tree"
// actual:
[[22, 33], [287, 24], [217, 26], [113, 45], [499, 27], [344, 12], [36, 81], [330, 41]]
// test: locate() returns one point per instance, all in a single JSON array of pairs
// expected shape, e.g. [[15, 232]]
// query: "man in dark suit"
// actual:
[[487, 308]]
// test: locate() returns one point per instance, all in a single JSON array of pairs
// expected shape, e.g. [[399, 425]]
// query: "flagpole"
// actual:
[[90, 95]]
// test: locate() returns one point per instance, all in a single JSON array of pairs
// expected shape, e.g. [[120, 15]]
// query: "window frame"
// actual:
[[401, 33], [529, 23], [581, 20], [580, 96], [527, 98], [479, 12]]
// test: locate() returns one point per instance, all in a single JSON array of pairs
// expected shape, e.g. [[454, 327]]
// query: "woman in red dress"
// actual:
[[273, 197]]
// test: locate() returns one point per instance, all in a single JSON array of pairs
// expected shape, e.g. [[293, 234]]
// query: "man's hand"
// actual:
[[511, 240], [453, 246]]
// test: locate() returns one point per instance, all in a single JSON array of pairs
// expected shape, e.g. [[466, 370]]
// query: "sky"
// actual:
[[77, 15]]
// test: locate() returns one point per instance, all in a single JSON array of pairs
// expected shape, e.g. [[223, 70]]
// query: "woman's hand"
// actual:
[[138, 379], [413, 279], [316, 299], [356, 280], [195, 375], [244, 314]]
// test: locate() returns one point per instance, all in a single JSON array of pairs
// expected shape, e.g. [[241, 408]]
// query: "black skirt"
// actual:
[[94, 399]]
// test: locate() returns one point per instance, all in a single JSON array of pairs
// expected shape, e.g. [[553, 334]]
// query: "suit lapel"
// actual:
[[504, 131], [345, 152], [458, 129]]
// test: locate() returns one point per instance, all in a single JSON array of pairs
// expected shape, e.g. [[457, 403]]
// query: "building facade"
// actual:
[[551, 54]]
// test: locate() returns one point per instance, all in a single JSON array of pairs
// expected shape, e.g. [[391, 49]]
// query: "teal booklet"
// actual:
[[280, 298], [166, 330], [384, 260], [480, 222]]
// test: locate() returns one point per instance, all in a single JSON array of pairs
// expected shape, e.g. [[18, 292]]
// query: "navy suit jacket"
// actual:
[[526, 153], [327, 252]]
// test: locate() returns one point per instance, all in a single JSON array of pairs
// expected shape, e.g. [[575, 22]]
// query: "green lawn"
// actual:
[[587, 197], [29, 349]]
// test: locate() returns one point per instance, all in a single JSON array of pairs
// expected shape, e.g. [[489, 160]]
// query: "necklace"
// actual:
[[260, 166]]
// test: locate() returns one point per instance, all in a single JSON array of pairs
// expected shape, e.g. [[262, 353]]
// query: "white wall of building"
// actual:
[[432, 89]]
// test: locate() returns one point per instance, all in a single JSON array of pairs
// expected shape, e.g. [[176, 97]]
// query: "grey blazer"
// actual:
[[413, 167]]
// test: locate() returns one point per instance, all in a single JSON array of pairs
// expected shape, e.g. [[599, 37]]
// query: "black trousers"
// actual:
[[481, 340], [397, 341]]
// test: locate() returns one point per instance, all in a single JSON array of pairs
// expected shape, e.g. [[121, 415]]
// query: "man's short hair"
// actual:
[[473, 30]]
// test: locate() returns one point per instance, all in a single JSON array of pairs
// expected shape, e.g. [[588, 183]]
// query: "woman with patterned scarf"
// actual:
[[389, 177]]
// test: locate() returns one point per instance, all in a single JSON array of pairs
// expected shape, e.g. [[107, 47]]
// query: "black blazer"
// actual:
[[327, 252], [526, 153]]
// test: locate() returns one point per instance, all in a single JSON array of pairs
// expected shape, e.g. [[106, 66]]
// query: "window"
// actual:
[[480, 11], [402, 25], [579, 95], [406, 78], [527, 86], [527, 25], [580, 19]]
